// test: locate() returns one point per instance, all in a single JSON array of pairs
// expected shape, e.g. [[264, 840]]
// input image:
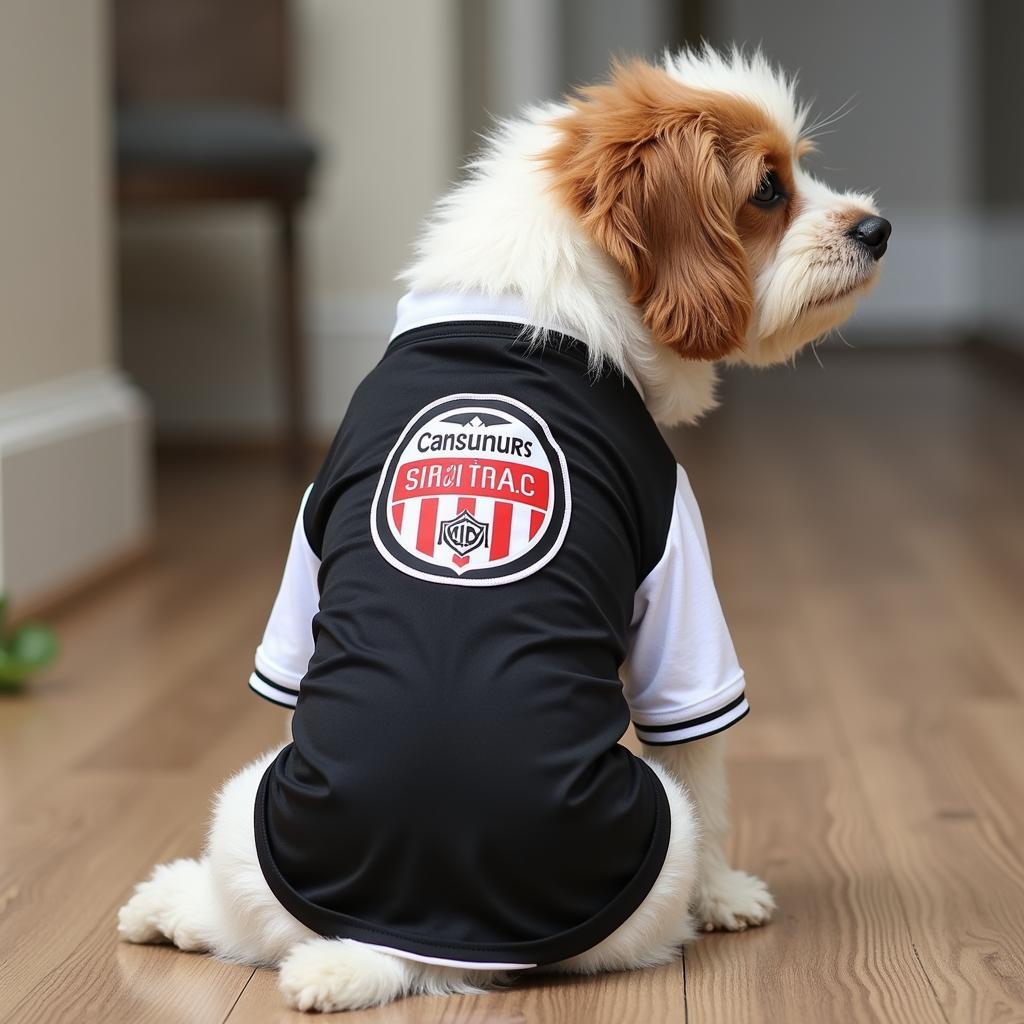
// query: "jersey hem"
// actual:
[[275, 674], [511, 955], [672, 739], [272, 694], [694, 713], [441, 961]]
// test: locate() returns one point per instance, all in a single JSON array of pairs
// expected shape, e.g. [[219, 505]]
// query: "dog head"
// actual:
[[689, 178]]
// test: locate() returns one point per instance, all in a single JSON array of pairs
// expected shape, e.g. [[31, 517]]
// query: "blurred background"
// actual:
[[203, 207], [205, 204]]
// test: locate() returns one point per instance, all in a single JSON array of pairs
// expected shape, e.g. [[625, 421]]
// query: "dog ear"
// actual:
[[639, 162]]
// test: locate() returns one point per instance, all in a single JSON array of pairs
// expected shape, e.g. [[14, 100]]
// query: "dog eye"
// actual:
[[768, 191]]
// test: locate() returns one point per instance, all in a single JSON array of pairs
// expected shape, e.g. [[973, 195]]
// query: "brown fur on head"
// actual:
[[662, 175], [642, 164]]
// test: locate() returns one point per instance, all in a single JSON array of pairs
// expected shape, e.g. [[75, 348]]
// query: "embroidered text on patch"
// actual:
[[475, 493]]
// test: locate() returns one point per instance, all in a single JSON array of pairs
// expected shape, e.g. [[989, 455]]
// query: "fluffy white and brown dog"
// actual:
[[425, 840]]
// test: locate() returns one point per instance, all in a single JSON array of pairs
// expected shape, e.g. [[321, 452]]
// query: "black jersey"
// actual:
[[497, 539]]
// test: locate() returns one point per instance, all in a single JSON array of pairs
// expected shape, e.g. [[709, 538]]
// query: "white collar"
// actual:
[[419, 309]]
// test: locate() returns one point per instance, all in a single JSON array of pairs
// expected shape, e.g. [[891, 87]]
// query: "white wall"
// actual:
[[73, 458], [378, 87]]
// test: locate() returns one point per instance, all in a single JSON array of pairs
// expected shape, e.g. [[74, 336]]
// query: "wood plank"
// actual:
[[201, 596], [654, 995], [69, 867], [981, 575], [801, 823], [838, 948], [942, 783], [865, 523]]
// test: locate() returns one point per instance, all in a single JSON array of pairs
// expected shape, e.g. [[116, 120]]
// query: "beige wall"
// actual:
[[74, 452], [55, 310], [377, 84]]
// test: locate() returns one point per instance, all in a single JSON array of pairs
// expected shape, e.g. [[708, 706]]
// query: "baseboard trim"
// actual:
[[1000, 354], [74, 484], [72, 592]]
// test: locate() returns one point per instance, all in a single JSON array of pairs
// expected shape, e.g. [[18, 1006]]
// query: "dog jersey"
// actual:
[[498, 564]]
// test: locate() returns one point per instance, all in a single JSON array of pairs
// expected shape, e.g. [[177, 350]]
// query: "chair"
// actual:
[[202, 97]]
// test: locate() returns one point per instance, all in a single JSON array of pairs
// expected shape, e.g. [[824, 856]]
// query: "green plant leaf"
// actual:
[[32, 645], [23, 651], [12, 675], [27, 650]]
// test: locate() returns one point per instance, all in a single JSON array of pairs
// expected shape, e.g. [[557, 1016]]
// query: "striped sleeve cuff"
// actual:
[[276, 693], [693, 728]]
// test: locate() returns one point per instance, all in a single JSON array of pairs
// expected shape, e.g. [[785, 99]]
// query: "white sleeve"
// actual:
[[283, 656], [681, 677]]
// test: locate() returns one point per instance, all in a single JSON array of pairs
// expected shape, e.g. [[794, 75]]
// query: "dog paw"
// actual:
[[168, 907], [329, 975], [135, 920], [732, 901]]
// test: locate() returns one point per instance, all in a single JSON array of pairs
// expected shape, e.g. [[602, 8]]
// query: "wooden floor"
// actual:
[[867, 526]]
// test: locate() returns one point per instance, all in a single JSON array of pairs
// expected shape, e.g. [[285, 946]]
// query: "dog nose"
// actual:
[[873, 233]]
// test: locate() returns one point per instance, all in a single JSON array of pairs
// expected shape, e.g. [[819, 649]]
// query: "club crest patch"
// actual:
[[475, 493]]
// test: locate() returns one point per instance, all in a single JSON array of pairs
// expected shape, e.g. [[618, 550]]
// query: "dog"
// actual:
[[501, 564]]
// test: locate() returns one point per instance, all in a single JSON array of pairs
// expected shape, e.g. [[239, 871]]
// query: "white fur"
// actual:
[[175, 905], [814, 259], [502, 231], [750, 75], [726, 899], [222, 904]]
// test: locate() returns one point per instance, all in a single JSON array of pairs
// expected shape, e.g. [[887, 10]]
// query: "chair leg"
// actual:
[[292, 340]]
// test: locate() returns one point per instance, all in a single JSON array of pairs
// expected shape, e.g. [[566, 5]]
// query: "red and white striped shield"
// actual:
[[475, 492]]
